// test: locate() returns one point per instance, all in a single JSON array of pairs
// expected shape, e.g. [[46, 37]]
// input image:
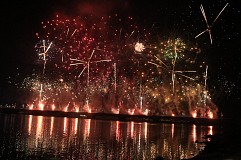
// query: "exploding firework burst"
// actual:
[[136, 73]]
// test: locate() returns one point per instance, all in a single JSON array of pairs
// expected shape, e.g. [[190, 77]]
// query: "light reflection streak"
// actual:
[[145, 130], [210, 132], [65, 124], [194, 132], [39, 129], [87, 128], [117, 131], [51, 126], [76, 125], [139, 143], [30, 124], [172, 130], [132, 129]]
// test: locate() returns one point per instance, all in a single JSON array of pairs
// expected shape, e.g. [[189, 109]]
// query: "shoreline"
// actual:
[[116, 117]]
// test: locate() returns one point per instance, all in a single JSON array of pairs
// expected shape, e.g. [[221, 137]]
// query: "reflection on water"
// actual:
[[24, 137]]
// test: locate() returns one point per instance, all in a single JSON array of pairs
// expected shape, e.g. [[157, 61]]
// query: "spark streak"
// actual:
[[209, 26]]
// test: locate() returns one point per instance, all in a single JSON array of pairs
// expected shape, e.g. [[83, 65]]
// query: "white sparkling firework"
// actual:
[[139, 47], [87, 65], [45, 52], [209, 26]]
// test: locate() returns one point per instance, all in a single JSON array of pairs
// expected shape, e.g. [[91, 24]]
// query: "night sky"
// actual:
[[21, 20]]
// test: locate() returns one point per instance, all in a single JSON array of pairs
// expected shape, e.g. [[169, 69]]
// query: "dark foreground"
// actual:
[[225, 146]]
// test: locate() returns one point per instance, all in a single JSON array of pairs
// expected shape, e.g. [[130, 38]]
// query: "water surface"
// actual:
[[39, 137]]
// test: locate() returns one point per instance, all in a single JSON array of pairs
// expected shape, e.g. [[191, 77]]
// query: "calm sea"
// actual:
[[39, 137]]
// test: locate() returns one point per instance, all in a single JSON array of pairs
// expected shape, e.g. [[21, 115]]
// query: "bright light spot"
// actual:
[[89, 110], [131, 111], [139, 47], [194, 114], [66, 109], [53, 107], [146, 112], [210, 115], [41, 106], [115, 111], [31, 107]]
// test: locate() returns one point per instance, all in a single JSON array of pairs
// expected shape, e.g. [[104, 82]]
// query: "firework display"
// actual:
[[115, 66]]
